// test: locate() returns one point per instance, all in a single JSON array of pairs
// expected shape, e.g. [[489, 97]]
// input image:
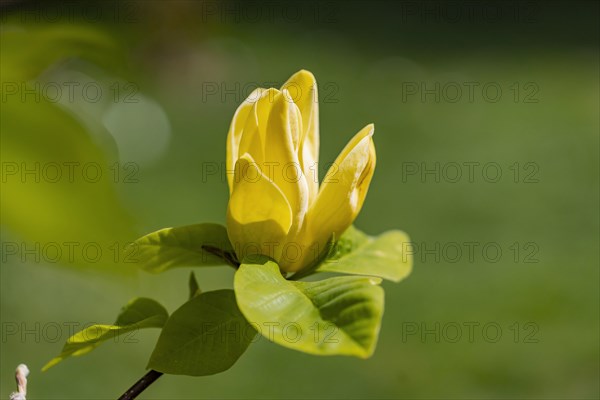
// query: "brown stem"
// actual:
[[141, 385], [228, 257]]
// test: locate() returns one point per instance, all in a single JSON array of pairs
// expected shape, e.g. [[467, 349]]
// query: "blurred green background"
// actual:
[[154, 87]]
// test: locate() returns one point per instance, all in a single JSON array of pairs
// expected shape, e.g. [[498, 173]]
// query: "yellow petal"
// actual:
[[281, 162], [302, 87], [253, 137], [259, 216], [343, 190], [235, 132]]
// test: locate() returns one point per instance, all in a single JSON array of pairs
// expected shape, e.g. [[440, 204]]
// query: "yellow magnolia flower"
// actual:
[[276, 207]]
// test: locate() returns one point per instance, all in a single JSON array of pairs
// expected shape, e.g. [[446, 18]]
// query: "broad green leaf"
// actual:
[[388, 256], [340, 315], [350, 240], [193, 286], [137, 314], [205, 336], [57, 202], [186, 246], [57, 186], [28, 50]]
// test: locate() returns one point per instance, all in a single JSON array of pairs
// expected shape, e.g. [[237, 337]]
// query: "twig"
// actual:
[[153, 375], [228, 257], [141, 385]]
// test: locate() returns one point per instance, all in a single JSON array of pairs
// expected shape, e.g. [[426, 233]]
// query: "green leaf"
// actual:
[[186, 246], [340, 315], [137, 314], [27, 52], [193, 285], [388, 256], [57, 186], [205, 336], [67, 210], [350, 240]]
